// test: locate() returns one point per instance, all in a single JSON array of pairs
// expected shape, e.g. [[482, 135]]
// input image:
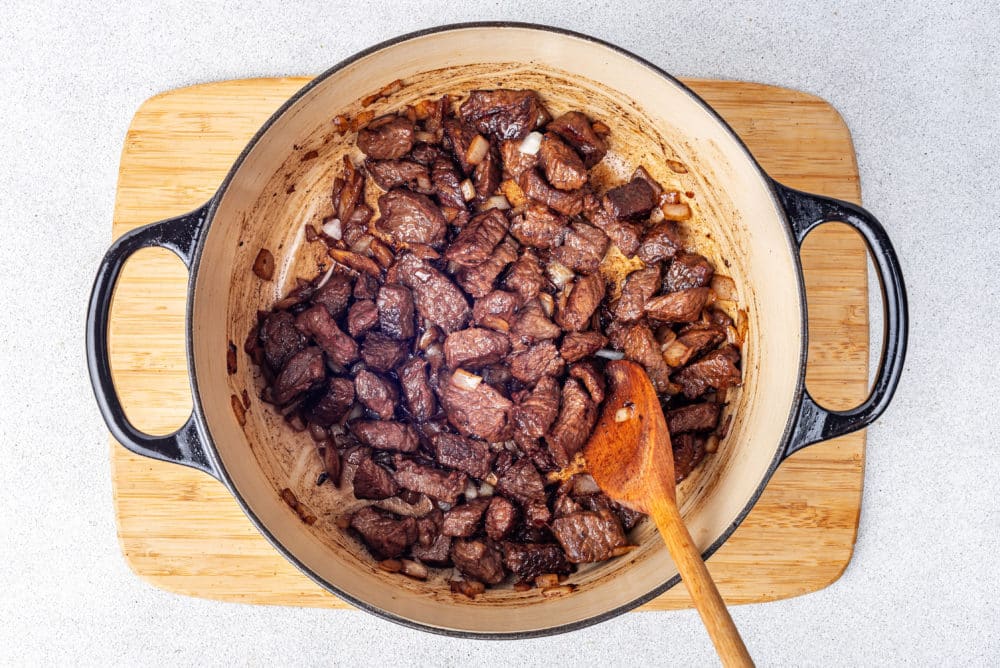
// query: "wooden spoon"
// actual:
[[630, 457]]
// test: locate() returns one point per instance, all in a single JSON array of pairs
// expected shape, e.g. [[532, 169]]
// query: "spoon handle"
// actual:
[[700, 585]]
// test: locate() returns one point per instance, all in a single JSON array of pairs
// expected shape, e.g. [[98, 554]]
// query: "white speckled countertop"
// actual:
[[918, 86]]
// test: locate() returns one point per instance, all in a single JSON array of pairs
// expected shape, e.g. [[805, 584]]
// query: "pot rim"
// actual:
[[209, 445]]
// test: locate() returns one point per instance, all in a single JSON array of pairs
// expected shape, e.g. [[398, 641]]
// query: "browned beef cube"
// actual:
[[569, 203], [529, 560], [525, 277], [410, 217], [378, 394], [481, 412], [681, 306], [496, 310], [541, 359], [577, 345], [539, 227], [389, 174], [497, 375], [522, 483], [577, 416], [350, 196], [501, 516], [625, 234], [365, 286], [333, 404], [335, 293], [635, 198], [478, 281], [475, 347], [537, 513], [395, 311], [316, 322], [447, 184], [583, 248], [716, 370], [442, 485], [280, 338], [382, 353], [305, 371], [385, 535], [385, 435], [574, 127], [536, 411], [696, 417], [478, 560], [465, 454], [699, 337], [640, 286], [533, 325], [584, 298], [515, 162], [432, 547], [437, 298], [464, 520], [591, 377], [563, 167], [587, 537], [486, 176], [419, 396], [387, 141], [425, 154], [689, 450], [361, 317], [639, 345], [458, 136], [660, 242], [504, 114], [475, 243], [688, 270], [372, 481]]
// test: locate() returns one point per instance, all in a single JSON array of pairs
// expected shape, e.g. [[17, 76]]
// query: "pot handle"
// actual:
[[180, 235], [815, 423]]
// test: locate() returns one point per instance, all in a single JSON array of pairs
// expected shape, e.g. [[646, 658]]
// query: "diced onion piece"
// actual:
[[333, 228], [609, 354], [547, 580], [465, 380], [677, 166], [548, 304], [362, 244], [656, 215], [512, 191], [424, 137], [712, 444], [558, 590], [468, 190], [414, 569], [724, 287], [531, 143], [559, 273], [584, 483], [390, 565], [729, 307], [430, 336], [470, 588], [496, 202], [600, 129], [486, 489], [495, 322], [326, 276], [391, 87], [677, 354], [624, 413], [733, 336], [444, 505], [622, 549], [478, 148], [471, 491], [491, 479], [665, 336], [679, 211]]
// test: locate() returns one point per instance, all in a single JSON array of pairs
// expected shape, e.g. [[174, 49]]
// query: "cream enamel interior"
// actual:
[[736, 223]]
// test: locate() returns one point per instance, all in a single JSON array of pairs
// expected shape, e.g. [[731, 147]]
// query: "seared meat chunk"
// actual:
[[410, 217], [515, 162], [478, 560], [437, 298], [504, 114], [574, 127], [379, 395], [584, 298], [447, 184], [316, 322], [335, 294], [537, 513], [432, 547], [333, 404], [660, 242], [385, 535], [395, 311], [389, 174], [640, 286], [639, 345], [541, 359], [486, 176], [696, 417], [569, 203], [689, 450], [464, 520], [539, 227], [577, 416], [481, 412], [496, 310], [635, 198], [529, 560], [501, 516], [365, 286], [305, 371], [442, 485], [592, 378], [577, 345], [382, 353], [586, 537], [716, 370], [465, 454], [475, 243], [699, 337], [458, 137], [563, 167], [419, 396], [533, 325], [688, 270], [525, 277], [372, 481], [361, 317], [522, 483], [475, 347], [280, 338], [681, 306], [385, 435], [478, 280], [387, 140], [425, 154], [583, 248], [535, 412]]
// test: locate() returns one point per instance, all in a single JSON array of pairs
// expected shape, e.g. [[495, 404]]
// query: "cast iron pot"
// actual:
[[740, 214]]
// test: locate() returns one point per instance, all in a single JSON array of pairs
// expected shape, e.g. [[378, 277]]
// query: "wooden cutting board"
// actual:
[[183, 532]]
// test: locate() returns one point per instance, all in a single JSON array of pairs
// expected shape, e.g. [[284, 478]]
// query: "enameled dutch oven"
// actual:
[[740, 215]]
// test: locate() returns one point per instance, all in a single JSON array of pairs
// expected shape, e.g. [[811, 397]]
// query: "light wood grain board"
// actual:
[[182, 531]]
